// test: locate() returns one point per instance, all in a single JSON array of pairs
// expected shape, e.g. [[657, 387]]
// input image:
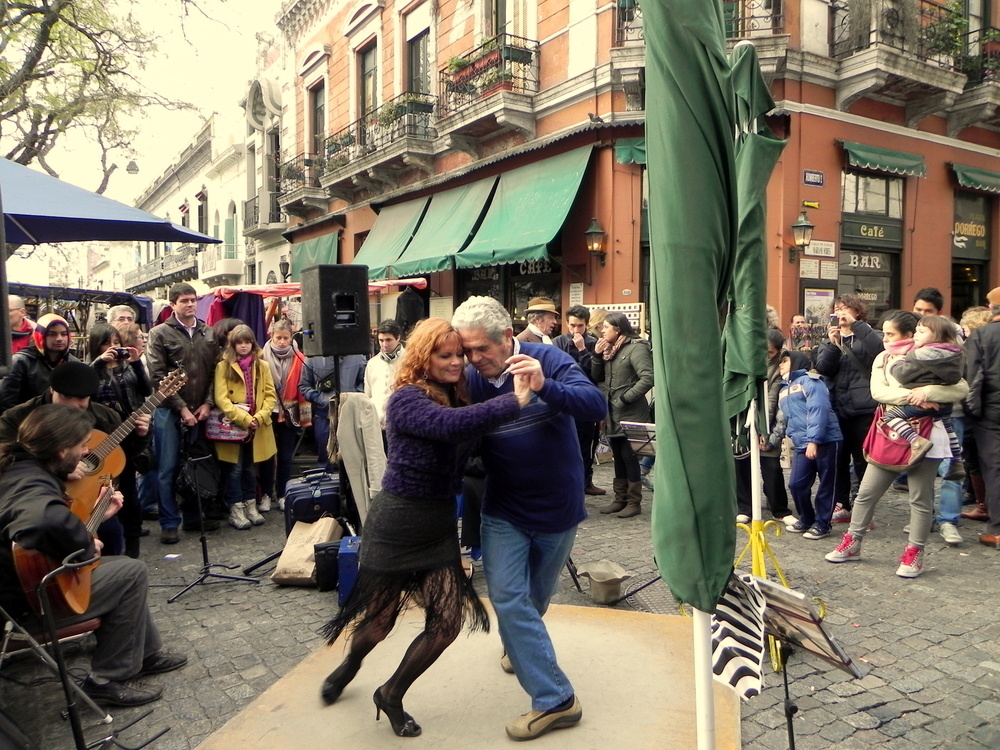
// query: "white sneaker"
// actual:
[[238, 517], [252, 515], [841, 515], [505, 664], [848, 551], [281, 504], [911, 563], [788, 520], [742, 518], [949, 532], [264, 506]]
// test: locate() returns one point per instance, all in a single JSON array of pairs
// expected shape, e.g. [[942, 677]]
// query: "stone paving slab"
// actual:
[[930, 644]]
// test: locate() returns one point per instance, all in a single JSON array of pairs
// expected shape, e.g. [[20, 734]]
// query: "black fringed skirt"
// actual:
[[404, 542]]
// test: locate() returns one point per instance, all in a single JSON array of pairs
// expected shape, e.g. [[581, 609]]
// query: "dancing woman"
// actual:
[[410, 550]]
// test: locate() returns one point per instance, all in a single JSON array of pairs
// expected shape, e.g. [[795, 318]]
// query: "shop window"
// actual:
[[872, 195]]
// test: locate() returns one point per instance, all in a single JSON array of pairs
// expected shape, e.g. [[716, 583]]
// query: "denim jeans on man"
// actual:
[[522, 572], [950, 496], [167, 431]]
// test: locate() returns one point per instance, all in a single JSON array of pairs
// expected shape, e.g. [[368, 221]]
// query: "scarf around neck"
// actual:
[[246, 366], [608, 351]]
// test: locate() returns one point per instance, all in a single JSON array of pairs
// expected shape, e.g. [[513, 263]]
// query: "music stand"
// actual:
[[790, 617], [206, 571]]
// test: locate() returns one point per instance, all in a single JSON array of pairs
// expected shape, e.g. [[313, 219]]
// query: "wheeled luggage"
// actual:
[[347, 564], [314, 494]]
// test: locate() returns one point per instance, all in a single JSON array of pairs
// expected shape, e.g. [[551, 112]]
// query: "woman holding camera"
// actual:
[[846, 360], [123, 388]]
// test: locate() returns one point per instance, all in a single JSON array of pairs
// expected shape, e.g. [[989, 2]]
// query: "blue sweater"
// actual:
[[534, 472], [429, 443]]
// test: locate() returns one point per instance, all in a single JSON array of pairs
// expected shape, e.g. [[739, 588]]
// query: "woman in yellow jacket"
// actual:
[[244, 392]]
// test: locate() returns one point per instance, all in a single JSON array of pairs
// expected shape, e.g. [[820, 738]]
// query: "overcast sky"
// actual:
[[204, 61]]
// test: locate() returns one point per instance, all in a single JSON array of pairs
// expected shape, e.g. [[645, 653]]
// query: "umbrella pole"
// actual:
[[756, 479], [704, 696]]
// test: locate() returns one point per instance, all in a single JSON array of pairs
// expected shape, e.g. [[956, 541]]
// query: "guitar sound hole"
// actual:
[[92, 463]]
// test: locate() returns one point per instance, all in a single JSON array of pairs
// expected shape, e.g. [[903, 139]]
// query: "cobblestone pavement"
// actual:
[[930, 644]]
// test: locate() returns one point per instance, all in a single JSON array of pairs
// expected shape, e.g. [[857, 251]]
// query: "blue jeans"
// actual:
[[167, 434], [804, 472], [241, 478], [950, 498], [321, 429], [522, 571]]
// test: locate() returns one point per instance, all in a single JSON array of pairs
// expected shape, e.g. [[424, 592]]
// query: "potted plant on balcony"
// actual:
[[414, 103], [460, 69], [516, 54], [943, 35], [496, 80], [488, 56]]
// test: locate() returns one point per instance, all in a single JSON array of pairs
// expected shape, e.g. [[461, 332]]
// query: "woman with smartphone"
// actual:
[[123, 388], [845, 359]]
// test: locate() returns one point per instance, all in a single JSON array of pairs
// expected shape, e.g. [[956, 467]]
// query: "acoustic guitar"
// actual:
[[106, 459], [69, 592]]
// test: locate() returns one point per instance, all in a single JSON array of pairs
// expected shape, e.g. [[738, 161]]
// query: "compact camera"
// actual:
[[834, 319], [121, 353]]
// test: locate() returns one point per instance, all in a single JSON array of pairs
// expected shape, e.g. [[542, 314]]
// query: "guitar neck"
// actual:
[[100, 508], [112, 441]]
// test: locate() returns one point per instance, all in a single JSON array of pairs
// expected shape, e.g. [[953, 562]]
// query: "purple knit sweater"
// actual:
[[429, 443]]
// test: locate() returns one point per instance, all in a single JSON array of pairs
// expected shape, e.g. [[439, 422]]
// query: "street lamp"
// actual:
[[284, 269], [802, 234], [595, 241], [132, 167]]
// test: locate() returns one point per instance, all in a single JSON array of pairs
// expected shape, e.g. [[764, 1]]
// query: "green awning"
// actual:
[[319, 251], [884, 159], [977, 179], [393, 230], [528, 210], [446, 228], [630, 150]]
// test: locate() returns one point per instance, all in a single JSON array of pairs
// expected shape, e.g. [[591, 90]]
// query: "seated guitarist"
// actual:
[[75, 384], [34, 514]]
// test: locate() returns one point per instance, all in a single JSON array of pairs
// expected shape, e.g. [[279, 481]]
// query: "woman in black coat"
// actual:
[[845, 360], [623, 367]]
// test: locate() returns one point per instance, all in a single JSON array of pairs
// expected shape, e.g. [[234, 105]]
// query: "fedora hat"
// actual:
[[994, 296], [541, 304]]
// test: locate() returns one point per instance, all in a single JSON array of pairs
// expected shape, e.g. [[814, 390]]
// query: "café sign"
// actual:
[[878, 232]]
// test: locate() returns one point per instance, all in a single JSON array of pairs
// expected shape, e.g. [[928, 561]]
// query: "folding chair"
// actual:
[[18, 639]]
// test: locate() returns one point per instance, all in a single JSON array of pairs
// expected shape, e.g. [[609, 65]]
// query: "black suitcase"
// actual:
[[314, 494]]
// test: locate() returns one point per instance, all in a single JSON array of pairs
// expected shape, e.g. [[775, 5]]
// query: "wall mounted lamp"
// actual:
[[802, 234], [284, 269], [595, 241]]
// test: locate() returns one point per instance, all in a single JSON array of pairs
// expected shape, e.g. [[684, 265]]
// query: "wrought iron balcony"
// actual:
[[923, 29], [300, 190], [628, 23], [748, 19], [178, 264], [254, 220], [407, 116], [503, 63], [980, 59]]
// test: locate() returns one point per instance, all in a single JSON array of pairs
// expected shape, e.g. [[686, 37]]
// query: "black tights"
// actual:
[[442, 624]]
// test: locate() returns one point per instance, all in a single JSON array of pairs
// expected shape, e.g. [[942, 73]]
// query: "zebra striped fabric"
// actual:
[[738, 637]]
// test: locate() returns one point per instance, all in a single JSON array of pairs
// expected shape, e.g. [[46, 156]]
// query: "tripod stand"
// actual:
[[206, 571]]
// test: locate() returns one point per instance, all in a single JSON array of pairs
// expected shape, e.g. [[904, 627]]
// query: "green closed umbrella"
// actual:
[[757, 151], [690, 126]]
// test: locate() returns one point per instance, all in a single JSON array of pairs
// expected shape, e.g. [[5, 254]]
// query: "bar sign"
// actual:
[[812, 177]]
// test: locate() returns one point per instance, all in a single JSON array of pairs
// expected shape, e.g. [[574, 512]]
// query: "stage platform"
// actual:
[[632, 671]]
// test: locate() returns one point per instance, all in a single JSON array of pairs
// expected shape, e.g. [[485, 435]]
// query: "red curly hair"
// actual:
[[427, 337]]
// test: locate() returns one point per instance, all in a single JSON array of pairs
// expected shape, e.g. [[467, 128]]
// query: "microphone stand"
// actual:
[[206, 571]]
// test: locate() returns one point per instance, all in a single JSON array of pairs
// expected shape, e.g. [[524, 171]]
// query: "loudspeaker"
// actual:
[[335, 310]]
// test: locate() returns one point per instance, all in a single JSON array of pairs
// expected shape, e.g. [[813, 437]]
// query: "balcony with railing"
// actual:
[[372, 151], [979, 104], [258, 220], [298, 179], [177, 264], [220, 265], [901, 51], [489, 90]]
